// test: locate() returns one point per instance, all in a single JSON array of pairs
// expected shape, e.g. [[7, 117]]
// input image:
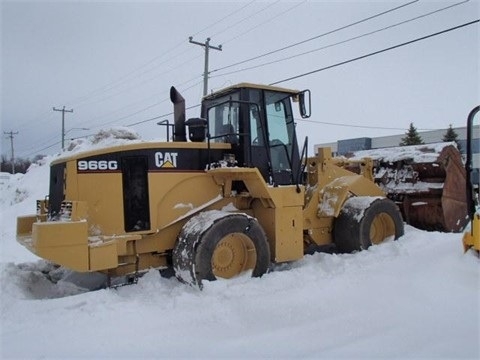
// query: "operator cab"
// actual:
[[258, 122]]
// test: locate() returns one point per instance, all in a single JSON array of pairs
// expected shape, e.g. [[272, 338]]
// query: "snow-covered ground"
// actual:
[[418, 297]]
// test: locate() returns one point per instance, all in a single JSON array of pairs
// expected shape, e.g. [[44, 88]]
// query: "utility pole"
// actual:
[[63, 123], [11, 133], [207, 47]]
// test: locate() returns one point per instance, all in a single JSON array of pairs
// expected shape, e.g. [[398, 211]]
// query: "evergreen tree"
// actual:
[[4, 163], [21, 165], [451, 135], [412, 137]]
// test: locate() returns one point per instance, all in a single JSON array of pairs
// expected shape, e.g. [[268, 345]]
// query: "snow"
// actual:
[[427, 153], [357, 205], [117, 135], [194, 210], [417, 297], [184, 206], [201, 222], [326, 207], [395, 177]]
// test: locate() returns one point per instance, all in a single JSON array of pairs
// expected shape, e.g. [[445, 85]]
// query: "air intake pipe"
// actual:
[[178, 101]]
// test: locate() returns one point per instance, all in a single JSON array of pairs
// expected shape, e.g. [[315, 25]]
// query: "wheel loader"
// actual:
[[471, 239], [232, 193]]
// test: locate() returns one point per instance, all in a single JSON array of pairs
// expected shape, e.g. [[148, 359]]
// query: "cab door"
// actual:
[[136, 204], [273, 142]]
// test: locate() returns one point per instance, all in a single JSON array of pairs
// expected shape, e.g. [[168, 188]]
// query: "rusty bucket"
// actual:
[[426, 181]]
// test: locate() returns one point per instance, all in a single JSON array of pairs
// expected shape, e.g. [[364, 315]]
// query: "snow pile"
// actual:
[[427, 153], [18, 188], [107, 137], [417, 297]]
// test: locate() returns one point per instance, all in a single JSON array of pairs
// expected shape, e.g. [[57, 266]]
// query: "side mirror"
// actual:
[[305, 103]]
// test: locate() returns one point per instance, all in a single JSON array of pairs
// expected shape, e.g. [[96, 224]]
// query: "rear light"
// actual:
[[42, 207], [66, 211]]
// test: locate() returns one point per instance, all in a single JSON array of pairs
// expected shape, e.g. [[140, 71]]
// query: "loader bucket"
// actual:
[[426, 181]]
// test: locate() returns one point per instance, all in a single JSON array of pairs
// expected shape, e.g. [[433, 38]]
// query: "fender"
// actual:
[[335, 193]]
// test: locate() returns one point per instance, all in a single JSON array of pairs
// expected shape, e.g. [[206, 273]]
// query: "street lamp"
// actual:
[[66, 132]]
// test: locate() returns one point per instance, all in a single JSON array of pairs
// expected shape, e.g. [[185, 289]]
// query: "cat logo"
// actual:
[[166, 160]]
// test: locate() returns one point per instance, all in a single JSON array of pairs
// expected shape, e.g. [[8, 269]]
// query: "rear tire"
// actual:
[[217, 244], [363, 222]]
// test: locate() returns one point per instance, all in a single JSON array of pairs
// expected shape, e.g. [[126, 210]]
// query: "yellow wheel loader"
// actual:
[[471, 239], [238, 195]]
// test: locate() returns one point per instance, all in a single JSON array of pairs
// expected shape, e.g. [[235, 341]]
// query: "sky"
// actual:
[[113, 62]]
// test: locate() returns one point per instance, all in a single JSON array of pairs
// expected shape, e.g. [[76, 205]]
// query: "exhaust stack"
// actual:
[[178, 101]]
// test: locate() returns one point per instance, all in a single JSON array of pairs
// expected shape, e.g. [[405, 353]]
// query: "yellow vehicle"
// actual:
[[239, 195], [471, 239]]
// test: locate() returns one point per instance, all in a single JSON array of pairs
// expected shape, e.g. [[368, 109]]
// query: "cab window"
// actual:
[[223, 120], [281, 129]]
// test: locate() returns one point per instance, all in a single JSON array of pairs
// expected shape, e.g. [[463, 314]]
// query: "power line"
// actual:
[[45, 148], [232, 26], [34, 146], [113, 121], [421, 16], [317, 36], [339, 64], [264, 22], [358, 126], [343, 63], [234, 12], [344, 41], [325, 68], [141, 109], [82, 100], [135, 113], [160, 116], [132, 114], [164, 115], [107, 97], [376, 52], [38, 119], [124, 79], [150, 106]]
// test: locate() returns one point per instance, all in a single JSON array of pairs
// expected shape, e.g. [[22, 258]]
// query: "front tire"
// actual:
[[364, 221], [216, 244]]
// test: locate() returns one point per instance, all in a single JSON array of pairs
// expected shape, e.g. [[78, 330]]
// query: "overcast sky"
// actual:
[[113, 63]]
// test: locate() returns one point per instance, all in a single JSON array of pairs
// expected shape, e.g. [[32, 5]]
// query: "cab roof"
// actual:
[[250, 86]]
